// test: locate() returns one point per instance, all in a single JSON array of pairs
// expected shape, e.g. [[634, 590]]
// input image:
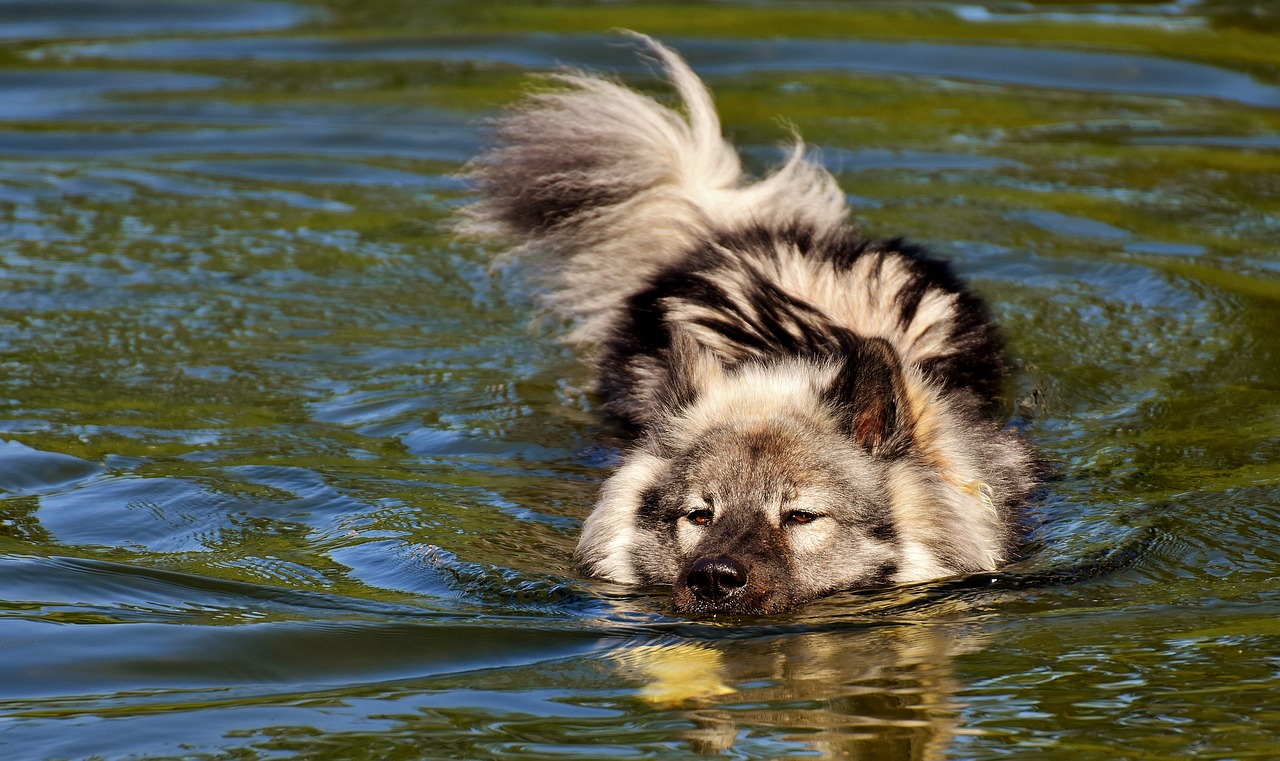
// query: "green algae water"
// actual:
[[284, 473]]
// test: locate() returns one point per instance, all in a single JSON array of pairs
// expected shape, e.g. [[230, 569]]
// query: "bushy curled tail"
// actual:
[[605, 186], [567, 155]]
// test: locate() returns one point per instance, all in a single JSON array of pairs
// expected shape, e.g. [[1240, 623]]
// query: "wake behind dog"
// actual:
[[815, 411]]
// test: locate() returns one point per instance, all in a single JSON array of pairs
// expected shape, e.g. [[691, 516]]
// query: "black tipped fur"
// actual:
[[869, 398], [814, 410], [761, 321]]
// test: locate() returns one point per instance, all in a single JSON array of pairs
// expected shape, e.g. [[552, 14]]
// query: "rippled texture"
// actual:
[[283, 473]]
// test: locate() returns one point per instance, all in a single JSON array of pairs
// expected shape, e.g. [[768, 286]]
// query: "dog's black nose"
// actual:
[[716, 580]]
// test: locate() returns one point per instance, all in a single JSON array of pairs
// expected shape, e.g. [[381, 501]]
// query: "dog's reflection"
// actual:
[[881, 692]]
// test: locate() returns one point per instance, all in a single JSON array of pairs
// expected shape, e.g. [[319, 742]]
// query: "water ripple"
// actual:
[[1027, 67], [46, 19]]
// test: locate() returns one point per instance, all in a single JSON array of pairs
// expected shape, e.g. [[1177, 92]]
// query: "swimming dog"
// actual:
[[814, 411]]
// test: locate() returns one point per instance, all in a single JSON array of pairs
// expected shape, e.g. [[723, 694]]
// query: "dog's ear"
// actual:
[[868, 396], [691, 367]]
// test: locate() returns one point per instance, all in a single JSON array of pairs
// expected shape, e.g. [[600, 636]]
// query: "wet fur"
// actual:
[[815, 411]]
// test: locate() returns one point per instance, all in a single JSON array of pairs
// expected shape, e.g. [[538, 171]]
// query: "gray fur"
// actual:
[[814, 410]]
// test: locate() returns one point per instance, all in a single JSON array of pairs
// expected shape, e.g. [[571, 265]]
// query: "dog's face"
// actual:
[[771, 485], [765, 488], [758, 518]]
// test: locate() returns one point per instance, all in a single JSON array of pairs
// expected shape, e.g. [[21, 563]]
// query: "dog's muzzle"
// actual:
[[716, 580]]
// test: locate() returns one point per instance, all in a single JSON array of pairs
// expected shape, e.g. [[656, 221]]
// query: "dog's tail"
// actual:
[[606, 186]]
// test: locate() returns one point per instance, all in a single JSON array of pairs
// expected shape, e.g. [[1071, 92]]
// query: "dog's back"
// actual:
[[754, 336]]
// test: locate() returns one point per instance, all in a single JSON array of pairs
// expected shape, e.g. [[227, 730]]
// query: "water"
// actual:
[[285, 474]]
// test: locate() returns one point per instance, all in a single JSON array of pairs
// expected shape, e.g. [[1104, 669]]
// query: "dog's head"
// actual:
[[760, 516], [771, 485]]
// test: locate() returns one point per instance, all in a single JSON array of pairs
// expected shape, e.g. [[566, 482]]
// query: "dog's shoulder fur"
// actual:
[[816, 410]]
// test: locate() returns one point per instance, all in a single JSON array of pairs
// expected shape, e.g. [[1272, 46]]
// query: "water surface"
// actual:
[[285, 473]]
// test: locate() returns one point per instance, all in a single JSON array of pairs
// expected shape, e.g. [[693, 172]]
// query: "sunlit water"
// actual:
[[285, 473]]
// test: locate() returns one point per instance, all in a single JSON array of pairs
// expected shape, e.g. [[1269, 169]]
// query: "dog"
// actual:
[[814, 411]]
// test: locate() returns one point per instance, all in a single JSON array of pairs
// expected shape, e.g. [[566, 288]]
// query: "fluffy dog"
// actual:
[[815, 411]]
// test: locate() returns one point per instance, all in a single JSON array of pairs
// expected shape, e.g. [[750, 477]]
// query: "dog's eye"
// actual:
[[797, 517], [700, 517]]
